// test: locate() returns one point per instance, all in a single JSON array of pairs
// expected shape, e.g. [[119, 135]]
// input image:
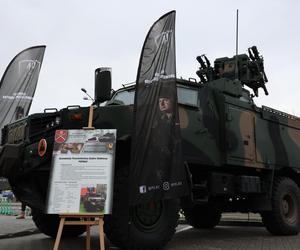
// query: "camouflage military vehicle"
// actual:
[[93, 202], [239, 157]]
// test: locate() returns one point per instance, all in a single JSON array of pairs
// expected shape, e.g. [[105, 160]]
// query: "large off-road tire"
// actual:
[[143, 227], [48, 224], [202, 216], [284, 219]]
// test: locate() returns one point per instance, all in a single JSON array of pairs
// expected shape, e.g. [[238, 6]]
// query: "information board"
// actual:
[[81, 179]]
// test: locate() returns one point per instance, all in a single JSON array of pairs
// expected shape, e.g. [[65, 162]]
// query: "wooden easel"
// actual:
[[84, 219], [90, 122]]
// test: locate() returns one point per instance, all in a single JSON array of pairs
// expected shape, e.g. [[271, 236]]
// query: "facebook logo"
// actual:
[[143, 189]]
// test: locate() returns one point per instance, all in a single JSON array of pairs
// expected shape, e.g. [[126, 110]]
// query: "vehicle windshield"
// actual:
[[186, 96], [125, 97]]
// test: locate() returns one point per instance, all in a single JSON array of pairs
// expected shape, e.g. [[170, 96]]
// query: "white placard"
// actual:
[[82, 171]]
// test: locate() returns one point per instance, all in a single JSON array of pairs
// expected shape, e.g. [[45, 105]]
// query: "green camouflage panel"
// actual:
[[260, 137], [225, 129], [200, 129]]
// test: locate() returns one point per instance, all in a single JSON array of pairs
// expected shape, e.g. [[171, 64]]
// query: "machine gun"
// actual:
[[205, 71], [256, 66], [250, 70]]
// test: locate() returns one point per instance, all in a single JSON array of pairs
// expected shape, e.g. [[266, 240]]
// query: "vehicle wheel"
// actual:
[[89, 207], [202, 216], [284, 219], [151, 226], [48, 224]]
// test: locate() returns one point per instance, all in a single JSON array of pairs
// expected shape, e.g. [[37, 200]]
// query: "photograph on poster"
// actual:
[[64, 148], [92, 199], [100, 143]]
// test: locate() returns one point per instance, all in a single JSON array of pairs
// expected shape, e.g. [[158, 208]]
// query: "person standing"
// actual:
[[23, 209], [19, 113]]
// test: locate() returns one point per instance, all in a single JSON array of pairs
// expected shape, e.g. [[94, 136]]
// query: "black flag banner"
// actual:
[[18, 84], [157, 170]]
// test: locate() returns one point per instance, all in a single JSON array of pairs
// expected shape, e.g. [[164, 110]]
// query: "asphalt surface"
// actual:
[[22, 234], [12, 227], [232, 238]]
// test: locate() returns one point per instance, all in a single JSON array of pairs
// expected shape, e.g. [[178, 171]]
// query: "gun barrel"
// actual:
[[207, 61], [255, 52], [200, 60], [251, 54]]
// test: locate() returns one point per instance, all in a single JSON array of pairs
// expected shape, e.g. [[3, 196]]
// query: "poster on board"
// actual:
[[82, 172]]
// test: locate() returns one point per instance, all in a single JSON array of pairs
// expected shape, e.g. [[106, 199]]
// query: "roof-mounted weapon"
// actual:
[[205, 71], [256, 66], [250, 70]]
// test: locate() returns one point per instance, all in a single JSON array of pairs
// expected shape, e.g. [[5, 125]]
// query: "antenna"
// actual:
[[84, 91], [237, 45]]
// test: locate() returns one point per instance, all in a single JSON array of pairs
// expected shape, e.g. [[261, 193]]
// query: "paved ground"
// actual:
[[221, 238], [11, 227], [232, 238]]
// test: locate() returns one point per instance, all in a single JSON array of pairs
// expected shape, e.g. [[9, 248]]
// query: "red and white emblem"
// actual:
[[61, 136]]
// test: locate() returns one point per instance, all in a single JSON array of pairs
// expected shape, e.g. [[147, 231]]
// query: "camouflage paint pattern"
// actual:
[[229, 130]]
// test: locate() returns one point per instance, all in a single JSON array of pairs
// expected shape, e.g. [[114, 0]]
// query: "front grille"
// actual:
[[31, 128], [40, 123], [14, 133]]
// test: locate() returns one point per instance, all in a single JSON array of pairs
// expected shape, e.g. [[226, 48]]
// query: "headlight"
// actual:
[[57, 120]]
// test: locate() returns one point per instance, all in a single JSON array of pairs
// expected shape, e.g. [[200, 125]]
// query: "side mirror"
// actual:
[[102, 85]]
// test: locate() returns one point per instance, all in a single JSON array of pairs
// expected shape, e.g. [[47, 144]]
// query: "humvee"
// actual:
[[238, 156]]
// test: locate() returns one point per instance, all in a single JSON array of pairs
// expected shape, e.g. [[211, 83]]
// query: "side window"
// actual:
[[187, 96]]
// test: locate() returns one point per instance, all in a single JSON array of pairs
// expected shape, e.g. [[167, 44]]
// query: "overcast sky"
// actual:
[[83, 35]]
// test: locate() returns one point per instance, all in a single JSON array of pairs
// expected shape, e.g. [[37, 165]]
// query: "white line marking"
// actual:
[[183, 229]]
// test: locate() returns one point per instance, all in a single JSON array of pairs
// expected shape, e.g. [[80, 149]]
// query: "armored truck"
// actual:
[[238, 156]]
